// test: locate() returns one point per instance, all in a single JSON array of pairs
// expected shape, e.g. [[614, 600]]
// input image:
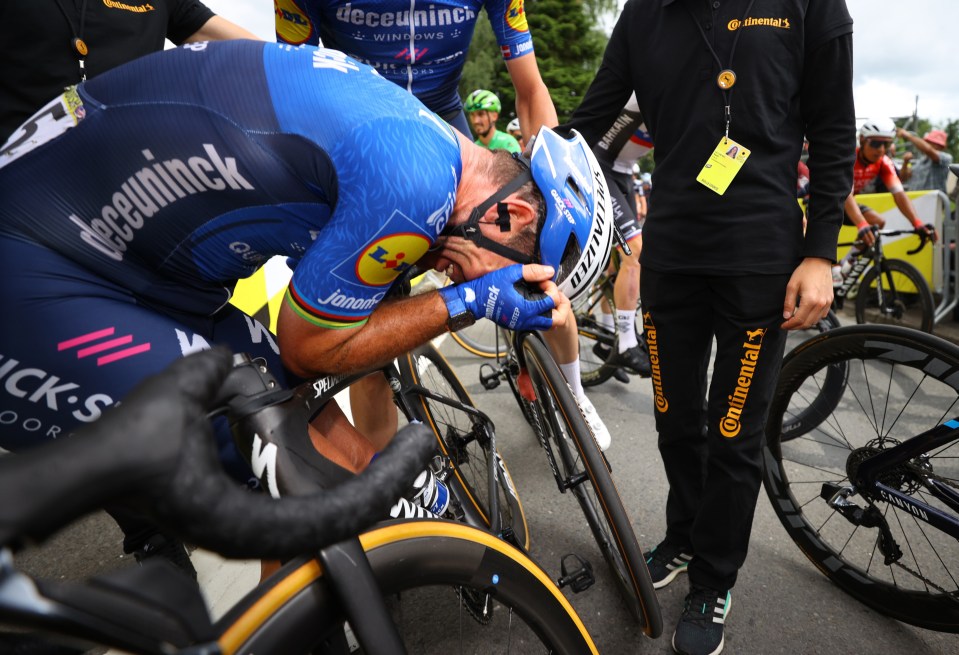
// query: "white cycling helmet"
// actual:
[[513, 126], [576, 218], [883, 128]]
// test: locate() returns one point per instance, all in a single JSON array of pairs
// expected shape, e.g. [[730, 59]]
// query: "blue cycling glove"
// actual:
[[503, 297]]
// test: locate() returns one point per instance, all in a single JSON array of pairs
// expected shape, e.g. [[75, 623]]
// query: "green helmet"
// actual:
[[482, 100]]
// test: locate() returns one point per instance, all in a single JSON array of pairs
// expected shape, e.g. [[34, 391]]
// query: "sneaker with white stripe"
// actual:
[[701, 627], [665, 562]]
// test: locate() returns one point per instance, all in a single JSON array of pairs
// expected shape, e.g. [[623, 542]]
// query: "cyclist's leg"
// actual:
[[374, 414], [626, 292], [563, 344]]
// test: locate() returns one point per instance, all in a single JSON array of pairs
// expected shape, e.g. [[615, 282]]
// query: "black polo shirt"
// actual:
[[38, 60], [793, 64]]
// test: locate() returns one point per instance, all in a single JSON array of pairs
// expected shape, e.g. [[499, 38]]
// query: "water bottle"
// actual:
[[431, 493]]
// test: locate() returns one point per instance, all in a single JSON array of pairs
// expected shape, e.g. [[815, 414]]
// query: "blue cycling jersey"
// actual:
[[420, 46], [225, 154], [132, 204]]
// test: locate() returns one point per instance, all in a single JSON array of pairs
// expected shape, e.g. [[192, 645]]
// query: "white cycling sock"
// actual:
[[626, 327], [571, 373]]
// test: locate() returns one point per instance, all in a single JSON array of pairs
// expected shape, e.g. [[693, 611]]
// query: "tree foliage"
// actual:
[[568, 43]]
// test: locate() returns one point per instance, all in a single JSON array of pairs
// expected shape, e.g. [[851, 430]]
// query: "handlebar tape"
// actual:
[[158, 450]]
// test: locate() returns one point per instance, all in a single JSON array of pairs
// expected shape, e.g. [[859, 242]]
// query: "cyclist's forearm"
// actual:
[[905, 206], [394, 327]]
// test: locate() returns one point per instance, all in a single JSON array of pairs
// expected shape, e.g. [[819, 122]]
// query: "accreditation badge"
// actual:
[[723, 165]]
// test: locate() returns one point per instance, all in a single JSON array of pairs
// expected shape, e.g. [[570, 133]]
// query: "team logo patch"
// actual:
[[292, 24], [516, 16], [386, 258]]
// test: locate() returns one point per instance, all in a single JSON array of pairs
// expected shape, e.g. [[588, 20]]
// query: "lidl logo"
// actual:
[[292, 24], [384, 260], [516, 16]]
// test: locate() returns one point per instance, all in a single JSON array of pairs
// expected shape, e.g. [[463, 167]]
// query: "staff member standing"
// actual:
[[725, 255]]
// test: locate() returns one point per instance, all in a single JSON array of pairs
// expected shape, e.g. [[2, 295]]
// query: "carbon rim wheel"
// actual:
[[581, 462], [900, 382]]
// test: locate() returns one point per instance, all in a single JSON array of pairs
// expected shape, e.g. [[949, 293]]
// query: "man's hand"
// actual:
[[929, 229], [808, 294], [516, 297]]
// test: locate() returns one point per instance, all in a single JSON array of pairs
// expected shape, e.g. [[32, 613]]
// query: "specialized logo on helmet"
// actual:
[[595, 248], [729, 425], [292, 23], [781, 23], [516, 16], [386, 258]]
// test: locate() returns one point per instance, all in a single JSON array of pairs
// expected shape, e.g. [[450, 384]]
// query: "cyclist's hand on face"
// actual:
[[517, 297], [808, 294]]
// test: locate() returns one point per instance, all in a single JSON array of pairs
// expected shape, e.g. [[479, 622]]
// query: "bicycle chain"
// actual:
[[475, 601]]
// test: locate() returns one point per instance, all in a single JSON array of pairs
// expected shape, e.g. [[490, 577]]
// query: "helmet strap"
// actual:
[[471, 231]]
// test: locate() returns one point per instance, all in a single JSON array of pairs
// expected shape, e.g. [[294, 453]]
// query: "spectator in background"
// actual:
[[725, 259], [933, 167], [482, 108], [50, 44]]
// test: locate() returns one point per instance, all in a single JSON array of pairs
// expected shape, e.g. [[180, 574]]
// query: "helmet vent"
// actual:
[[576, 191]]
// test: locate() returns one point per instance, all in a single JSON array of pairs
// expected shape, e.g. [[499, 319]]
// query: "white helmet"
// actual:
[[636, 169], [513, 125], [882, 128]]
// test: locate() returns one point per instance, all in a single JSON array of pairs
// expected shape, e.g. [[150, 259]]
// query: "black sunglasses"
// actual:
[[876, 143]]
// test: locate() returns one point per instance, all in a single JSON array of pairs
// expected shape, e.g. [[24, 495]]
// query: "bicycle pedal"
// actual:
[[489, 380], [580, 578], [621, 375]]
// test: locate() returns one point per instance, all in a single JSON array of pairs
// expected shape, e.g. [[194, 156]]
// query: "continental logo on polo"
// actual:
[[659, 399], [729, 425], [292, 23], [781, 23], [153, 187], [137, 9]]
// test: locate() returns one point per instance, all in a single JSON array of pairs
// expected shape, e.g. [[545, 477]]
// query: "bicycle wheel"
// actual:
[[483, 338], [821, 401], [900, 383], [584, 468], [464, 442], [906, 298], [415, 564], [596, 342]]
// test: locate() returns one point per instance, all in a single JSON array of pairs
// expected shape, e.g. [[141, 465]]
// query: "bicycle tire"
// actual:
[[582, 462], [296, 612], [461, 442], [905, 308], [900, 383], [596, 342], [483, 339], [823, 400]]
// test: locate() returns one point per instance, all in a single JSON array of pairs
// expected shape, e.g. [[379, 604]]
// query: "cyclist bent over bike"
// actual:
[[218, 156]]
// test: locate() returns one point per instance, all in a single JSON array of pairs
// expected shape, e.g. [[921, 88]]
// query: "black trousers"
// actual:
[[712, 451]]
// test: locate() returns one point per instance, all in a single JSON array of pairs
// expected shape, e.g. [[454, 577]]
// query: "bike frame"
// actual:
[[871, 470]]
